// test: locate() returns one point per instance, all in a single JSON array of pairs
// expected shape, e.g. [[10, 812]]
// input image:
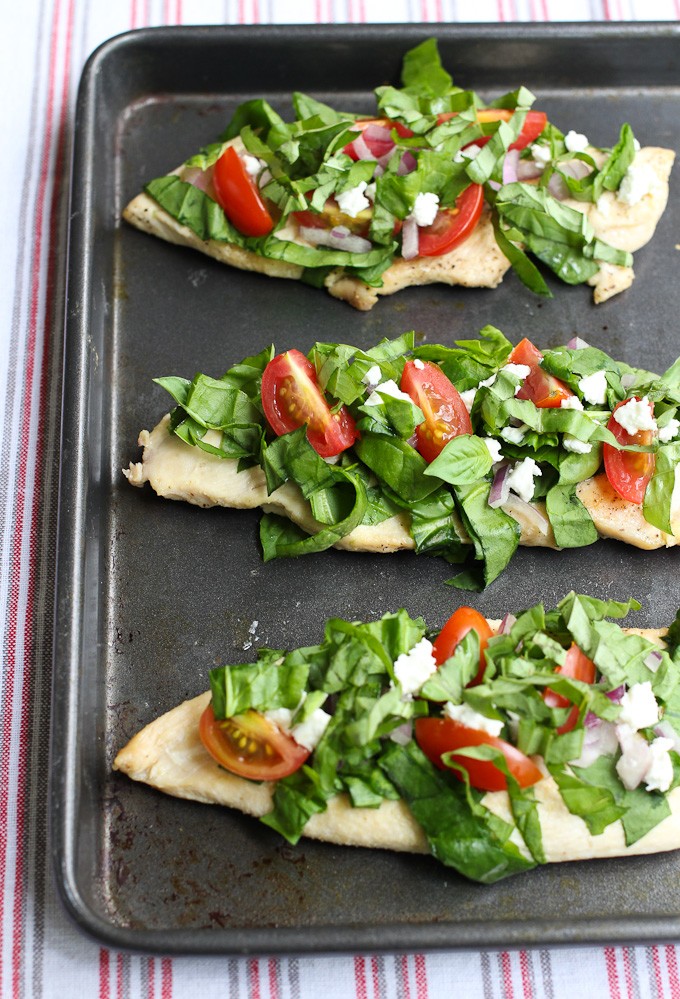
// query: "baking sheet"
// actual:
[[152, 593]]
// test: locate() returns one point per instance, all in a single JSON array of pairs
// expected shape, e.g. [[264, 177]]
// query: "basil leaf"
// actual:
[[462, 461], [571, 523]]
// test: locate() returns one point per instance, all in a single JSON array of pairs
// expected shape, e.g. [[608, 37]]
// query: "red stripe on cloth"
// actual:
[[166, 978], [273, 980], [375, 975], [150, 977], [104, 990], [525, 972], [119, 976], [506, 972], [360, 983], [405, 991], [53, 115], [254, 979], [179, 13], [421, 976], [656, 967], [672, 966], [612, 973]]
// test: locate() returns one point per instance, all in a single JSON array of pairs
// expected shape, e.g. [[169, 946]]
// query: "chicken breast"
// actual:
[[476, 263], [169, 756], [178, 471]]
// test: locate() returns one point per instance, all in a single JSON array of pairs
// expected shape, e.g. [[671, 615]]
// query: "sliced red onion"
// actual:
[[616, 694], [653, 660], [339, 238], [413, 440], [576, 343], [361, 150], [526, 514], [409, 238], [557, 187], [378, 133], [528, 170], [628, 380], [407, 164], [635, 757], [507, 624], [510, 165], [599, 739], [666, 731], [500, 487], [576, 169], [202, 179], [494, 185], [403, 734]]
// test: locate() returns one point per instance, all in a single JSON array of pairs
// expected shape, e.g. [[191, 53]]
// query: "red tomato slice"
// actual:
[[443, 408], [544, 390], [628, 472], [238, 195], [377, 146], [291, 397], [454, 631], [534, 123], [452, 225], [436, 736], [250, 745], [577, 666]]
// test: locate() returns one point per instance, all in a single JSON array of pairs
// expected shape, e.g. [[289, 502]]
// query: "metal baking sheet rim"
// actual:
[[72, 601]]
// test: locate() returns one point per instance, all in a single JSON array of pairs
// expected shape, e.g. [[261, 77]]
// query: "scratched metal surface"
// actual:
[[152, 593]]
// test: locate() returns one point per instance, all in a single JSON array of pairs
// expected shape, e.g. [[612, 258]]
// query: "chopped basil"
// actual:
[[432, 122], [370, 752]]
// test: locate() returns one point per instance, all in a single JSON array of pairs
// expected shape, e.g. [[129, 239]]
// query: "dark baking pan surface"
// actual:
[[151, 593]]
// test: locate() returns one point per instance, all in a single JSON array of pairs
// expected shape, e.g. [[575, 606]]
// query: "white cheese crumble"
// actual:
[[514, 435], [541, 155], [425, 208], [639, 708], [372, 376], [670, 431], [594, 388], [494, 448], [488, 382], [308, 733], [521, 370], [659, 774], [252, 164], [576, 446], [353, 201], [571, 402], [638, 181], [635, 415], [281, 717], [521, 478], [468, 398], [413, 668], [468, 153], [417, 363], [467, 716], [576, 142], [389, 387]]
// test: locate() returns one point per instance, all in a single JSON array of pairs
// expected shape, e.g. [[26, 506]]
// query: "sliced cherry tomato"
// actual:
[[628, 472], [452, 225], [251, 745], [377, 146], [534, 123], [454, 631], [239, 197], [437, 736], [291, 397], [539, 387], [443, 408], [577, 666]]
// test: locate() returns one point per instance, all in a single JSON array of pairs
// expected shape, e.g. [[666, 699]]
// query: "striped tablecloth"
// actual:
[[44, 45]]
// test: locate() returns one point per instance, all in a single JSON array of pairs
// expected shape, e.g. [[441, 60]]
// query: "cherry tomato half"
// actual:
[[628, 472], [539, 387], [250, 745], [238, 195], [291, 397], [577, 666], [452, 225], [454, 631], [437, 736], [534, 123], [443, 408]]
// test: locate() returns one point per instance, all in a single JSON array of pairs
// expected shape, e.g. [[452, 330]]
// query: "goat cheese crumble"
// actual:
[[638, 181], [594, 388], [413, 668], [639, 708], [389, 387], [576, 142], [521, 478], [353, 201], [425, 208], [635, 415]]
